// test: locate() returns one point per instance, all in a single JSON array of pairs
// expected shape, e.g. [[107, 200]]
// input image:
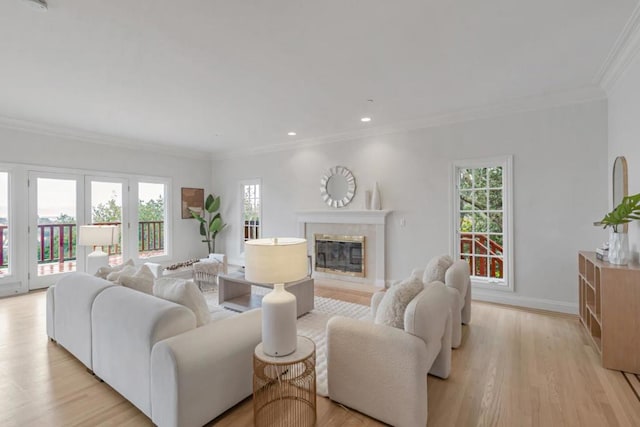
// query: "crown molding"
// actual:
[[97, 138], [622, 53], [517, 105]]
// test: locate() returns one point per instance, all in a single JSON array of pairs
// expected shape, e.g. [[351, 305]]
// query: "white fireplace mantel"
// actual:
[[376, 218]]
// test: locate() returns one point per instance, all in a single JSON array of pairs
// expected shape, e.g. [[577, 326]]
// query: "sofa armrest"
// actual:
[[197, 375], [375, 302], [392, 385]]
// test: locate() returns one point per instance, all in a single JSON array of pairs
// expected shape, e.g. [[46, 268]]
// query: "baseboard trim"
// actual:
[[523, 301]]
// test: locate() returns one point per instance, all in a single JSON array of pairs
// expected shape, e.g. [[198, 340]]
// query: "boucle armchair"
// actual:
[[456, 277], [381, 370]]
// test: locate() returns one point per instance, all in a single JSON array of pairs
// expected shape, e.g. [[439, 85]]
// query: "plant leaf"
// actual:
[[215, 225], [215, 204], [208, 203], [203, 229]]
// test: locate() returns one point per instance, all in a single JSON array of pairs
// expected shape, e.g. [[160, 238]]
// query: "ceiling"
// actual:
[[217, 75]]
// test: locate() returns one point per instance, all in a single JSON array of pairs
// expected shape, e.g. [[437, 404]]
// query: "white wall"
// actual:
[[27, 149], [624, 136], [560, 187]]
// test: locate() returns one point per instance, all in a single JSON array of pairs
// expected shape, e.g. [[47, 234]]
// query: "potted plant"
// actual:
[[212, 224], [627, 211]]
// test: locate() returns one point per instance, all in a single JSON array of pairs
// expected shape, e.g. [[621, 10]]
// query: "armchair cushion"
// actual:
[[436, 269], [392, 307]]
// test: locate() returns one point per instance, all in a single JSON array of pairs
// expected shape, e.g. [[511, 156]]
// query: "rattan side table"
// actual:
[[284, 388]]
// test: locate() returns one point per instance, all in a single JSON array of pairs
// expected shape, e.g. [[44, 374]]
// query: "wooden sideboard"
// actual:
[[610, 310]]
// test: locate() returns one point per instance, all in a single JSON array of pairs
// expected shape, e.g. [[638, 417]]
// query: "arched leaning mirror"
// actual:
[[337, 187], [620, 182]]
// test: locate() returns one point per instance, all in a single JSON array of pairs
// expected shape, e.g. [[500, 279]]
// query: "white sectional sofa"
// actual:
[[150, 351]]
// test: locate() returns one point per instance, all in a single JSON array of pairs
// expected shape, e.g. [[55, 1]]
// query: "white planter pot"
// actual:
[[618, 248]]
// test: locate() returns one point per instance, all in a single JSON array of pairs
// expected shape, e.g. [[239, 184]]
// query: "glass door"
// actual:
[[55, 215], [107, 205]]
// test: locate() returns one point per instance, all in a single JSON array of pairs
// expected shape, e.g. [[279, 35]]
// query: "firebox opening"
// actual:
[[340, 254]]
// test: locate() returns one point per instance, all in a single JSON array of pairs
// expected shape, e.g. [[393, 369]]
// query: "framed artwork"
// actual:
[[192, 199]]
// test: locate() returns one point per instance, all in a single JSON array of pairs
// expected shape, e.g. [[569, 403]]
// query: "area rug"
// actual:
[[312, 325]]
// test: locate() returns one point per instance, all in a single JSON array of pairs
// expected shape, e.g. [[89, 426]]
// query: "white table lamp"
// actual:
[[97, 236], [277, 261]]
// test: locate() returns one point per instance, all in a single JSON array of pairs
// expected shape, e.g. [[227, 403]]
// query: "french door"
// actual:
[[56, 207]]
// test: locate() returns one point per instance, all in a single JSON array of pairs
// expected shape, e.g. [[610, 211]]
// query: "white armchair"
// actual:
[[380, 370], [207, 270], [458, 282]]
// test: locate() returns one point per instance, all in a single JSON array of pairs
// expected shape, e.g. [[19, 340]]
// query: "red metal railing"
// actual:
[[58, 241], [477, 250], [251, 229]]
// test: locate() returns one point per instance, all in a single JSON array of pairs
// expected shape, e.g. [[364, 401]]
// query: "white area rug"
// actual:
[[312, 325]]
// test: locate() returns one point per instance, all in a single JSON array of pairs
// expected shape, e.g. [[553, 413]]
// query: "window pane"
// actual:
[[56, 201], [495, 222], [480, 266], [495, 177], [480, 178], [496, 270], [466, 201], [4, 224], [495, 200], [466, 223], [480, 222], [480, 200], [466, 180], [106, 209], [151, 219]]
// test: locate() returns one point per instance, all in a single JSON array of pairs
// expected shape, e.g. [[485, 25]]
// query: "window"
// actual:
[[5, 255], [152, 219], [482, 218], [251, 211]]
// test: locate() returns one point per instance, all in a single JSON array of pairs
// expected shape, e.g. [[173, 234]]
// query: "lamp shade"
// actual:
[[97, 235], [278, 260]]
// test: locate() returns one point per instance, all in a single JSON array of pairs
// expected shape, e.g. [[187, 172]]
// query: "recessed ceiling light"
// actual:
[[292, 134], [37, 4], [365, 119]]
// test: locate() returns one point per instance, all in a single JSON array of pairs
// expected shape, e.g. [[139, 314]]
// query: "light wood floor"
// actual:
[[514, 368]]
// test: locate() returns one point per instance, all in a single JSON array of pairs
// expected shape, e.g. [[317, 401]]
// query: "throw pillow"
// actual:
[[436, 269], [395, 301], [184, 292], [114, 276], [103, 272], [141, 280]]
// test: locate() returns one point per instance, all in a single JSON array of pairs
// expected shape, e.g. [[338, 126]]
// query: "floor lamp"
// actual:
[[97, 236], [278, 261]]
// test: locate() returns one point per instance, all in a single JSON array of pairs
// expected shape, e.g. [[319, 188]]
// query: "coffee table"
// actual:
[[234, 293]]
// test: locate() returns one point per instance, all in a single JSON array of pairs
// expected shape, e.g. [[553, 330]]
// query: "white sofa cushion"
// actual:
[[103, 272], [436, 269], [184, 292], [141, 280], [391, 309], [115, 276]]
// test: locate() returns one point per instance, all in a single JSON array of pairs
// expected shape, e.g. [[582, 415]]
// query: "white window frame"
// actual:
[[12, 265], [242, 184], [506, 162]]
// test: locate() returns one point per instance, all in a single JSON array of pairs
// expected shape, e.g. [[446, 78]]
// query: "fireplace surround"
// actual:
[[368, 223]]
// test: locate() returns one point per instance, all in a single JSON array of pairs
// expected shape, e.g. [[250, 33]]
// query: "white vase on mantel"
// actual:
[[367, 200], [375, 198], [618, 248]]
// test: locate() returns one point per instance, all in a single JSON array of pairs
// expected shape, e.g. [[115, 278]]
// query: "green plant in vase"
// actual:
[[628, 210], [212, 224]]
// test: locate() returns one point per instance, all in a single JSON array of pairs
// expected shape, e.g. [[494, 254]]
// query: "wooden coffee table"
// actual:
[[234, 293]]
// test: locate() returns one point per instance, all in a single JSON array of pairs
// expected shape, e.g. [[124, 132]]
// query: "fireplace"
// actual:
[[340, 254]]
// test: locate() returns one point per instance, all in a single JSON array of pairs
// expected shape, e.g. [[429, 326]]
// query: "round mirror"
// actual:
[[337, 187], [620, 184]]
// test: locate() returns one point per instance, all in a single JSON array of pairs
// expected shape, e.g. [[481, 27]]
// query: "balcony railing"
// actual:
[[251, 229], [482, 254], [57, 242]]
